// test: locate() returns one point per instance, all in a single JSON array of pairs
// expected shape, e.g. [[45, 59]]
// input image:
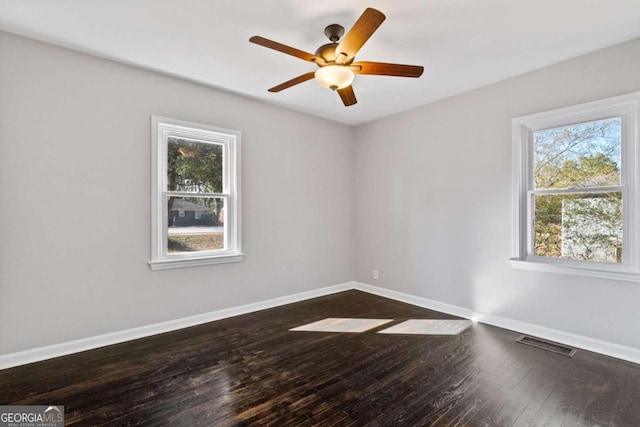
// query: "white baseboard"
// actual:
[[56, 350], [49, 352], [579, 341]]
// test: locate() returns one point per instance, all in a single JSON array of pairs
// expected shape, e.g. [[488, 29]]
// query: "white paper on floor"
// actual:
[[342, 324], [428, 327]]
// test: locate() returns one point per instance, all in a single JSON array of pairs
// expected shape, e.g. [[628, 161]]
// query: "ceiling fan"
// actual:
[[335, 59]]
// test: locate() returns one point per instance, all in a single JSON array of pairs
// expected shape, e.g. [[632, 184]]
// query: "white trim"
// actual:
[[628, 108], [415, 300], [566, 268], [579, 341], [70, 347], [168, 264], [519, 186], [161, 129], [582, 190], [66, 348]]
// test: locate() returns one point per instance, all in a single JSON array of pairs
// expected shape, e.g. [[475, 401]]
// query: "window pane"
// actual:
[[578, 156], [195, 224], [579, 226], [194, 166]]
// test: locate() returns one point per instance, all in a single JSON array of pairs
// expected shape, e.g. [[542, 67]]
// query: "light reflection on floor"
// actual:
[[342, 324], [429, 327], [412, 326]]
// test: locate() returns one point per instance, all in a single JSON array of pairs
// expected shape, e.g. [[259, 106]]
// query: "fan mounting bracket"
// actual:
[[334, 32]]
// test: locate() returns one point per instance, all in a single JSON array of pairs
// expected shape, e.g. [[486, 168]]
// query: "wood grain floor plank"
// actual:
[[252, 371]]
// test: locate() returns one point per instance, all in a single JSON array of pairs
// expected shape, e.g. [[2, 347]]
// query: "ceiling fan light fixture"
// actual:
[[334, 77]]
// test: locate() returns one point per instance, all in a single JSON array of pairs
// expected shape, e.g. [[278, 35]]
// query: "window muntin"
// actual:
[[196, 202], [575, 189]]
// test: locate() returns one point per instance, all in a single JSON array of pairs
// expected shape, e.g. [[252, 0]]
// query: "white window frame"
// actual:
[[163, 128], [523, 128]]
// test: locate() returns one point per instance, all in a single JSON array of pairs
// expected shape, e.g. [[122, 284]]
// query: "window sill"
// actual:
[[576, 271], [167, 264]]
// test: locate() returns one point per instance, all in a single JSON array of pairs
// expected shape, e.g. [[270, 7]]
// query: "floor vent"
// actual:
[[546, 345]]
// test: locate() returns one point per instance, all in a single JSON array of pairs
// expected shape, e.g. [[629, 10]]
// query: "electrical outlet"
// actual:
[[376, 275]]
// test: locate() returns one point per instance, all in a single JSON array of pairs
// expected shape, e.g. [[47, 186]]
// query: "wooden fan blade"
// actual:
[[293, 82], [348, 96], [284, 48], [364, 27], [384, 69]]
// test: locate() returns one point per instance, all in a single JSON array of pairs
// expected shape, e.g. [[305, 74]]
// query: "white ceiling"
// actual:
[[463, 44]]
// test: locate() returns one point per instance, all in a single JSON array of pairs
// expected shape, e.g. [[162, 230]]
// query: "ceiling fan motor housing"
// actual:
[[328, 51]]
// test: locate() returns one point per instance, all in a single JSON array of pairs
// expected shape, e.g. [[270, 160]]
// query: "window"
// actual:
[[576, 188], [195, 196]]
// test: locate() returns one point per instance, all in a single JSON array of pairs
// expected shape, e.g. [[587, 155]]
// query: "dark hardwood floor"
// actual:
[[250, 370]]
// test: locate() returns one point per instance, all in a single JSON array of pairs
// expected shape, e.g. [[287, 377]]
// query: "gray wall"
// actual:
[[433, 202], [75, 198], [424, 197]]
